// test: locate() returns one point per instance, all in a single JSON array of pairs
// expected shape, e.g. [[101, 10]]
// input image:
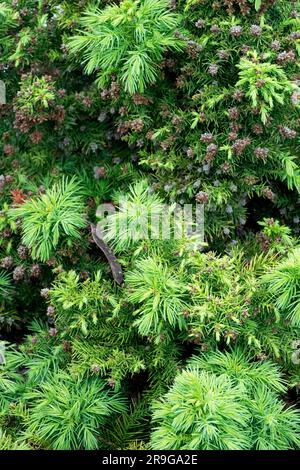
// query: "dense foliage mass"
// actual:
[[139, 104]]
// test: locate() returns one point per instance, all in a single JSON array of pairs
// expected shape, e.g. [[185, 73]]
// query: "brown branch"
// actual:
[[115, 266]]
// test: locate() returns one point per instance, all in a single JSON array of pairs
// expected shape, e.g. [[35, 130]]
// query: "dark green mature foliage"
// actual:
[[139, 104]]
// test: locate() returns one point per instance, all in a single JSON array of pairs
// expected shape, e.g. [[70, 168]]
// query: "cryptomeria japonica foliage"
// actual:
[[144, 105]]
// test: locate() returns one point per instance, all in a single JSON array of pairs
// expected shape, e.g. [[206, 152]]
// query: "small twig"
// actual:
[[111, 258]]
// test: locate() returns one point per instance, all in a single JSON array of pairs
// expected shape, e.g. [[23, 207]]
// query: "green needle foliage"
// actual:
[[5, 284], [8, 443], [8, 386], [283, 284], [201, 412], [128, 39], [6, 15], [273, 426], [67, 413], [35, 95], [78, 304], [237, 365], [227, 406], [57, 214], [264, 83], [133, 220], [161, 293]]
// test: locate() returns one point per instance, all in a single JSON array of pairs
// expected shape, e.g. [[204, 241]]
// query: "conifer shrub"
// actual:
[[67, 413], [194, 413]]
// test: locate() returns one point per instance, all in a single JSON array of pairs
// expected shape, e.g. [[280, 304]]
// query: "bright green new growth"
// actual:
[[265, 83], [139, 214], [230, 405], [47, 219], [8, 443], [6, 16], [66, 413], [162, 295], [128, 39], [238, 367], [79, 303], [8, 382], [35, 94], [283, 284], [143, 217], [278, 234], [201, 412], [273, 427]]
